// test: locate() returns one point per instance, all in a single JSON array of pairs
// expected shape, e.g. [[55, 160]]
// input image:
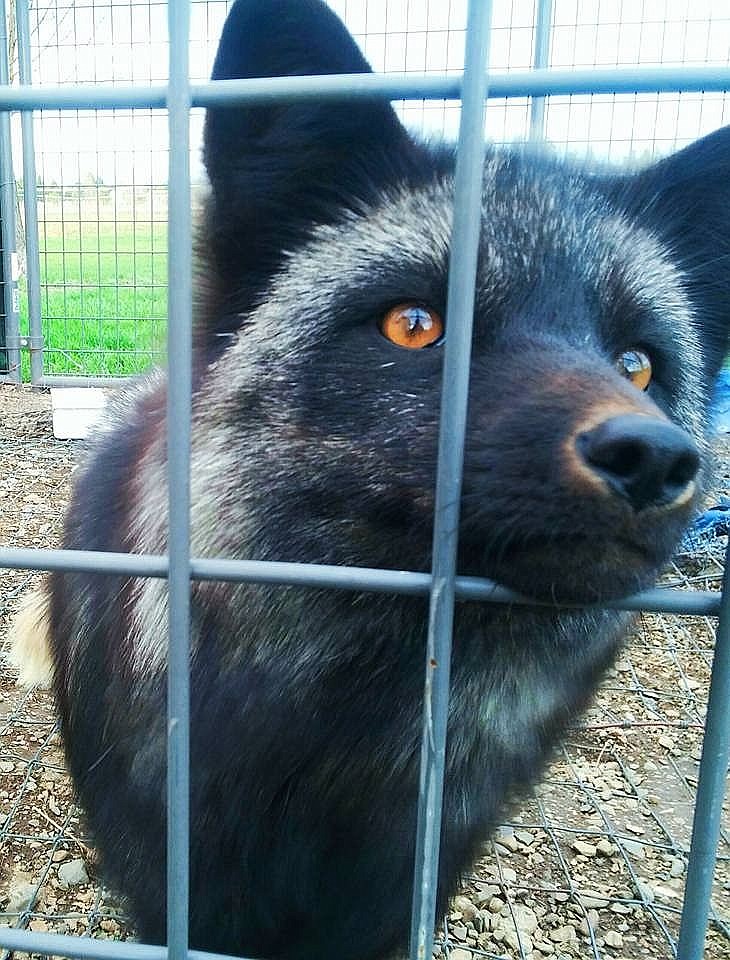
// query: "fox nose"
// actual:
[[647, 461]]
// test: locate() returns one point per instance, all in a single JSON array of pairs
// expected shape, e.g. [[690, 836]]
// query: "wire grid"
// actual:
[[641, 896]]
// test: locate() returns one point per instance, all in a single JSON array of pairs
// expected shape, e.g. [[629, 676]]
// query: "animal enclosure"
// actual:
[[592, 866]]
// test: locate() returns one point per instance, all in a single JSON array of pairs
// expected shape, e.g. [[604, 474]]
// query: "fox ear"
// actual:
[[281, 167], [685, 199]]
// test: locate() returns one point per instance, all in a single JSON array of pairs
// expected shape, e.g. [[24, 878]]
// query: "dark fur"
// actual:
[[314, 439]]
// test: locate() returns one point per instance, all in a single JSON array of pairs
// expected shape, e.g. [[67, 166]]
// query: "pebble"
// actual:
[[525, 837], [605, 848], [563, 934], [592, 898], [20, 895], [637, 830], [495, 905], [520, 942], [633, 847], [459, 954], [586, 849], [544, 946], [676, 868], [620, 908], [613, 939], [6, 766], [525, 919], [645, 892], [465, 907], [60, 855], [506, 839], [72, 873]]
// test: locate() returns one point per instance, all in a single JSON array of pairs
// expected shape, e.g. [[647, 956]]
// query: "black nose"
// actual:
[[649, 462]]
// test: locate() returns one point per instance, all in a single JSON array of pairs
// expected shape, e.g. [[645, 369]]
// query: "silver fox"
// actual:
[[601, 319]]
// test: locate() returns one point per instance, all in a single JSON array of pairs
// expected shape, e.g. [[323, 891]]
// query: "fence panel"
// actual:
[[82, 265]]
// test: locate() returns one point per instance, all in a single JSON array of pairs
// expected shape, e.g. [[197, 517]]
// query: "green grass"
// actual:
[[103, 295]]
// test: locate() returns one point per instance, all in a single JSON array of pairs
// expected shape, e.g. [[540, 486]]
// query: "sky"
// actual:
[[124, 41]]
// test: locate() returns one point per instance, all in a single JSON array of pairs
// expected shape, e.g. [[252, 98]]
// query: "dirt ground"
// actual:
[[591, 866]]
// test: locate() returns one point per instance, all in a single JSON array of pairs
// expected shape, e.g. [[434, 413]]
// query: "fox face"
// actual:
[[602, 302]]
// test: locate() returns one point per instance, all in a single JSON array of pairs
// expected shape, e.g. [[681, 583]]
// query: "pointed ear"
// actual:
[[685, 199], [279, 168]]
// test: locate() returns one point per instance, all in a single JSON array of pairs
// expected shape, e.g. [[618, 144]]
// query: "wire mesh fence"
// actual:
[[100, 190], [609, 887]]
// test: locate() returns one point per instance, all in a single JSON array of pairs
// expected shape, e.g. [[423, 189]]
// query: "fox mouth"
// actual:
[[575, 569]]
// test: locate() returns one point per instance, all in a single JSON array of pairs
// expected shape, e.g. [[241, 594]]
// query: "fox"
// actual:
[[601, 315]]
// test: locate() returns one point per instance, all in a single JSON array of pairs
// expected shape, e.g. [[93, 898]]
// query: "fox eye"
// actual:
[[412, 325], [635, 365]]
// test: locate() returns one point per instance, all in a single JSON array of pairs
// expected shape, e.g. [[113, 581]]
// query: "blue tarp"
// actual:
[[714, 522]]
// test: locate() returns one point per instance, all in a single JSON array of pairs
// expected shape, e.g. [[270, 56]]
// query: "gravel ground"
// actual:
[[591, 866]]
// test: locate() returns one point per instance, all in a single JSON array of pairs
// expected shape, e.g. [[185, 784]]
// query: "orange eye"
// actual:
[[635, 365], [412, 325]]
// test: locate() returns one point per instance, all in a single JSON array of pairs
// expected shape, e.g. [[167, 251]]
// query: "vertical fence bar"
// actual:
[[710, 791], [179, 339], [541, 59], [7, 219], [459, 322], [30, 199]]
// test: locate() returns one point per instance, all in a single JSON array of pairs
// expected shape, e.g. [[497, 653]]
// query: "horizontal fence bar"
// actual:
[[533, 83], [366, 579], [87, 948]]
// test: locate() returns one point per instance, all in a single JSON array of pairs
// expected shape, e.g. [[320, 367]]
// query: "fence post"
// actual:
[[543, 28], [710, 791], [30, 200], [179, 403], [455, 380], [11, 345]]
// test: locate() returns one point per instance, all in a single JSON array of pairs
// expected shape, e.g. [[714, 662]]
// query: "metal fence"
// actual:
[[93, 184], [179, 95]]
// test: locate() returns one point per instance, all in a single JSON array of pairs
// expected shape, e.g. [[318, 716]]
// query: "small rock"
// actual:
[[458, 931], [520, 942], [60, 855], [633, 847], [465, 907], [605, 848], [20, 895], [72, 873], [509, 874], [525, 837], [587, 849], [645, 892], [6, 766], [636, 830], [544, 946], [676, 868], [613, 939], [39, 926], [495, 905], [592, 898], [507, 841], [525, 919], [563, 934], [620, 908], [459, 954]]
